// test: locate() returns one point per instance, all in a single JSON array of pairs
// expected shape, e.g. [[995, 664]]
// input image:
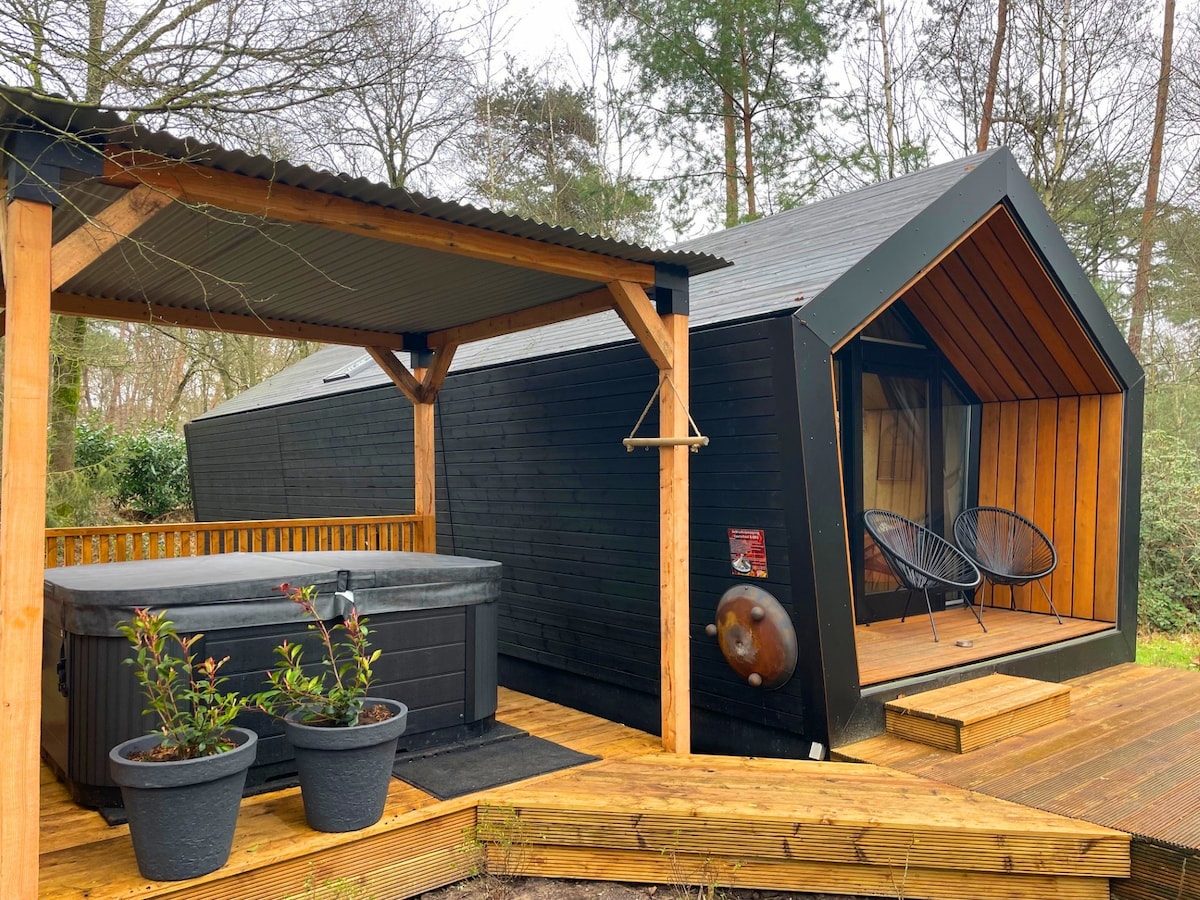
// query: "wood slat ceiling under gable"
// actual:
[[995, 312]]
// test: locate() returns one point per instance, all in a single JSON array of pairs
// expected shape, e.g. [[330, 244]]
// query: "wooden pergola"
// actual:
[[106, 220]]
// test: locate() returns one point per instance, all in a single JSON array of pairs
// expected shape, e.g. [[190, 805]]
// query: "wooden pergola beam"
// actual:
[[101, 232], [256, 197], [636, 310], [408, 383], [232, 323], [419, 385], [26, 254], [425, 465], [576, 307], [435, 376], [675, 542]]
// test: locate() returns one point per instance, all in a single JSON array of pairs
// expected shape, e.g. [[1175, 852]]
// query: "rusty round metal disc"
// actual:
[[756, 636]]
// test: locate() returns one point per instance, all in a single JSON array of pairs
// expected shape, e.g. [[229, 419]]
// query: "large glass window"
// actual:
[[895, 458], [906, 440]]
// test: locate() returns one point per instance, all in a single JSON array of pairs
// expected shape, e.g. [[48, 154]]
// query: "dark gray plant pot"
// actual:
[[345, 772], [182, 814]]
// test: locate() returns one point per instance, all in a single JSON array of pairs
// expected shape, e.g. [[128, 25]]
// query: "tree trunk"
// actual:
[[1060, 114], [993, 76], [731, 155], [889, 102], [748, 152], [1141, 284], [94, 84], [71, 331], [67, 381], [747, 130]]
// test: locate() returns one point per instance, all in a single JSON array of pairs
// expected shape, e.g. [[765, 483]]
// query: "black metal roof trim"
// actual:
[[861, 289], [23, 109]]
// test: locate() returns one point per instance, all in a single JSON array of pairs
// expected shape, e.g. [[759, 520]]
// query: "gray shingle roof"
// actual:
[[781, 263]]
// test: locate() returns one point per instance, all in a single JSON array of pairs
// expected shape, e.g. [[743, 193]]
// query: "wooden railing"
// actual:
[[99, 544]]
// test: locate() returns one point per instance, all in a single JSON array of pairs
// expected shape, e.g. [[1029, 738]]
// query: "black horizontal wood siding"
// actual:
[[531, 472]]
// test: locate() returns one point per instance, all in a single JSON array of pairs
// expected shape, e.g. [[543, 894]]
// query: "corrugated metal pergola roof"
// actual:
[[195, 256]]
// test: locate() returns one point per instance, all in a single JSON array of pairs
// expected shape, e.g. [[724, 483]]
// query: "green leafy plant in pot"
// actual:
[[182, 784], [344, 740]]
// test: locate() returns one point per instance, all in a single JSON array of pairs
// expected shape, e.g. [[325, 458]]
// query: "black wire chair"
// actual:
[[1007, 548], [921, 559]]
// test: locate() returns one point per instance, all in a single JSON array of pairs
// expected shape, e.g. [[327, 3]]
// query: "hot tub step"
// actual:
[[962, 717]]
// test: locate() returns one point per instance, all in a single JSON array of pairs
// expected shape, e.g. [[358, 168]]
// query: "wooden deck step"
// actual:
[[785, 824], [963, 717]]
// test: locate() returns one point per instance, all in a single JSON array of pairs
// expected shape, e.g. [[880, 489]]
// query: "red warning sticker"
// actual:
[[748, 552]]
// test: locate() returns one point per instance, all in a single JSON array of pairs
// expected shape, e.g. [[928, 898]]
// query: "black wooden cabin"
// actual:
[[920, 345]]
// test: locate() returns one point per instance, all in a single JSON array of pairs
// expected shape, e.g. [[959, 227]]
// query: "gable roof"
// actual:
[[782, 262]]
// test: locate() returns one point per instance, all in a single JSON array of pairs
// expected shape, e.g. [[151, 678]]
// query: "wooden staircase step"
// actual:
[[963, 717]]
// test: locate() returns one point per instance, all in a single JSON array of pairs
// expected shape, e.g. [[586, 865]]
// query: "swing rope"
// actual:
[[693, 441]]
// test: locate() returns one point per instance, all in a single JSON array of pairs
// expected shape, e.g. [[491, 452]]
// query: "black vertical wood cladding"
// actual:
[[531, 472], [345, 455]]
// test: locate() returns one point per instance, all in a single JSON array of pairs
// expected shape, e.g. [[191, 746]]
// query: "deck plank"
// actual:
[[890, 650], [786, 824], [1128, 757], [832, 827]]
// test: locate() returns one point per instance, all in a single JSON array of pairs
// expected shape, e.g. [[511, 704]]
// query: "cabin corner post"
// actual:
[[26, 241]]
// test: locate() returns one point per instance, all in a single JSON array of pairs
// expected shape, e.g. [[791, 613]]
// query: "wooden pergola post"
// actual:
[[424, 460], [663, 332], [421, 387], [26, 241], [674, 541]]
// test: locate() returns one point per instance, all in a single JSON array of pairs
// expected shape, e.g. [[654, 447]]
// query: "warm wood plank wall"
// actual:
[[1058, 462], [1052, 410], [996, 314]]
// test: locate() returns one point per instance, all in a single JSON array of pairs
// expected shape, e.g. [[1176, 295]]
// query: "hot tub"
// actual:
[[433, 616]]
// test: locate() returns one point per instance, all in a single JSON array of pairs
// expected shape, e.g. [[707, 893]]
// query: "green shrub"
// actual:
[[96, 445], [1169, 573], [80, 497], [153, 476], [84, 495]]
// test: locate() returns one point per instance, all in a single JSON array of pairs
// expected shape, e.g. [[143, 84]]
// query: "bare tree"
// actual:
[[993, 77], [878, 127], [199, 60], [205, 63], [1058, 85], [409, 96]]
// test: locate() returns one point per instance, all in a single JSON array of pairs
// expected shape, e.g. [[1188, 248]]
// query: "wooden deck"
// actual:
[[1127, 757], [890, 650], [637, 814]]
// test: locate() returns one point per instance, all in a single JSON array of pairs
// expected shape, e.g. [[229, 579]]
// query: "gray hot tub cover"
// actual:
[[239, 590]]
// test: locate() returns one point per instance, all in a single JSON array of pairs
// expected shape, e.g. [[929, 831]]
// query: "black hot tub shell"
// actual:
[[433, 616]]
